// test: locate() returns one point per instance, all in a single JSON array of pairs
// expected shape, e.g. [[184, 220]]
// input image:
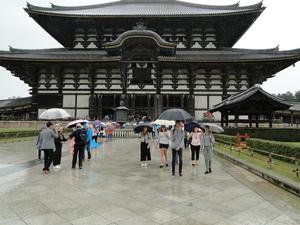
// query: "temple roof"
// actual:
[[144, 8], [56, 55], [15, 102], [232, 55], [241, 102], [226, 55]]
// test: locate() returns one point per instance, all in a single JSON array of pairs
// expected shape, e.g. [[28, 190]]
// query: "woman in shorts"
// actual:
[[163, 142]]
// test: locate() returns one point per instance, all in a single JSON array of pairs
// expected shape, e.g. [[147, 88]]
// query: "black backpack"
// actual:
[[83, 137]]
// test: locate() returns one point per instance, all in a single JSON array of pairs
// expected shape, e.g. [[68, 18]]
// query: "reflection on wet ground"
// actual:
[[113, 189]]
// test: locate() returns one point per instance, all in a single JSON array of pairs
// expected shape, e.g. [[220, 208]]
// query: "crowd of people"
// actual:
[[51, 137], [83, 139], [175, 138]]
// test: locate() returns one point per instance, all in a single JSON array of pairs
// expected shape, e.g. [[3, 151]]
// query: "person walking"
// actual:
[[58, 147], [89, 137], [145, 147], [48, 146], [91, 145], [195, 145], [207, 143], [177, 143], [163, 142], [79, 135], [39, 144]]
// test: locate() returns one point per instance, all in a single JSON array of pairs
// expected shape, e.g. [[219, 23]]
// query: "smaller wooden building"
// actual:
[[253, 103]]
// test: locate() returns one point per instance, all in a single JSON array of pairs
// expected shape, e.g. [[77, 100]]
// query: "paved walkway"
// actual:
[[113, 189]]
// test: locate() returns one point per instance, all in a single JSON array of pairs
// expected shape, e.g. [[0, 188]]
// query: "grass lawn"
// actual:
[[16, 139], [15, 129], [280, 167], [297, 144]]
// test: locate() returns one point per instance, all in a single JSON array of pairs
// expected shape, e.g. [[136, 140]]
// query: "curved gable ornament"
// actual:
[[140, 32]]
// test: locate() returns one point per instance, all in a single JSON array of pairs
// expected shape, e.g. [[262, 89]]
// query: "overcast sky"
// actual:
[[278, 25]]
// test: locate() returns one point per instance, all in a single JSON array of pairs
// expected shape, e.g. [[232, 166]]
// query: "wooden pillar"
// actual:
[[93, 98], [226, 119], [224, 79], [270, 116], [157, 101], [292, 118], [222, 119], [133, 103], [100, 112], [148, 105], [167, 101], [250, 120], [256, 121], [59, 73], [182, 101], [236, 119], [33, 73]]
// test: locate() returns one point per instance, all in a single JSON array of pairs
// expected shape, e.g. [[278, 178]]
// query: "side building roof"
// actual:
[[238, 100], [15, 102]]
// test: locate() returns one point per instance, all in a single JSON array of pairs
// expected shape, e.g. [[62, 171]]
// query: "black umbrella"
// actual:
[[139, 128], [189, 127], [175, 114]]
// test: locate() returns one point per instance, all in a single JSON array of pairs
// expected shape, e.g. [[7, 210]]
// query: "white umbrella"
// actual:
[[54, 114], [213, 127], [164, 122], [73, 123]]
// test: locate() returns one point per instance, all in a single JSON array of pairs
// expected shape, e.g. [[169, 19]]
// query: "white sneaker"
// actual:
[[142, 164], [57, 167]]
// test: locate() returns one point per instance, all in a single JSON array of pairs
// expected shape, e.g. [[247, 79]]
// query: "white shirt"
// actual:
[[164, 138]]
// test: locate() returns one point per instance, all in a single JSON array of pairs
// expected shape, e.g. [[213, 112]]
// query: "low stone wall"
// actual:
[[124, 133], [25, 124], [276, 179]]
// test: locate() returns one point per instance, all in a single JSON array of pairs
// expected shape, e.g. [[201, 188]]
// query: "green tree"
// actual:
[[288, 96], [297, 96]]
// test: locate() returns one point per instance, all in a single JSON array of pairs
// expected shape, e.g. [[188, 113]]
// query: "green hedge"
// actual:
[[225, 138], [275, 134], [274, 146], [15, 134]]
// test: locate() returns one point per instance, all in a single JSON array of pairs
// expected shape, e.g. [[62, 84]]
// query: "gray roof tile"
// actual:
[[145, 8]]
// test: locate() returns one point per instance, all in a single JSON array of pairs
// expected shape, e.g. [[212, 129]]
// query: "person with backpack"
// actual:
[[79, 135], [207, 143], [177, 144]]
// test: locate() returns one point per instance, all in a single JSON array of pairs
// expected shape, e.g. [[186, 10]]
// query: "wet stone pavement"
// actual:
[[112, 188]]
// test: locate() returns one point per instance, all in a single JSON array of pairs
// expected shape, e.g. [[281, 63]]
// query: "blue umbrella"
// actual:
[[189, 127], [140, 127]]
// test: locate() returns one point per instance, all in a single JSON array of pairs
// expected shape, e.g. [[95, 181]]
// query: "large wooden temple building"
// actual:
[[151, 54]]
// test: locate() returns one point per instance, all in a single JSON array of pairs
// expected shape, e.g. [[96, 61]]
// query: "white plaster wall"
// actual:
[[83, 100], [200, 102], [217, 116], [199, 114], [69, 101], [71, 112], [40, 111], [213, 100], [82, 113]]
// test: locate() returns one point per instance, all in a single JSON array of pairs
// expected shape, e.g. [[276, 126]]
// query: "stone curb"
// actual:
[[278, 180]]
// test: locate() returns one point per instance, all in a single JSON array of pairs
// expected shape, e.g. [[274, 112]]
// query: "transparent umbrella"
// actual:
[[54, 114]]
